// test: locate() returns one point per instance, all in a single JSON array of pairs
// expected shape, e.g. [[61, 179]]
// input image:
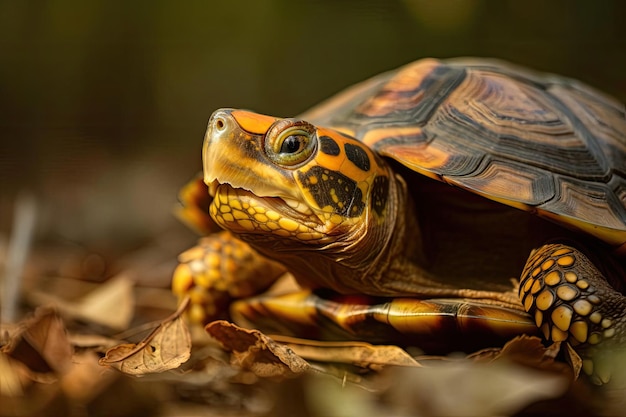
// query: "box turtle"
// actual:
[[445, 205]]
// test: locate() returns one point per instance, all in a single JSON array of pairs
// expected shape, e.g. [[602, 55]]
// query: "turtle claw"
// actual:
[[571, 301]]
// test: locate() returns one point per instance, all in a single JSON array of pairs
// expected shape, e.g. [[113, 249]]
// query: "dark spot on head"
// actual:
[[357, 155], [380, 191], [349, 196], [329, 146]]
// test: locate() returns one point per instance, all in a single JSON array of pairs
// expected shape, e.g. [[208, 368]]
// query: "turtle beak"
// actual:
[[234, 156], [230, 155], [220, 125]]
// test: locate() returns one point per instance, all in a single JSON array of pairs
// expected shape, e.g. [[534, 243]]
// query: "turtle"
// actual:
[[447, 204]]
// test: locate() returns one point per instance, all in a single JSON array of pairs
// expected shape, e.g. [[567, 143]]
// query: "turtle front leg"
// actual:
[[571, 301], [220, 269]]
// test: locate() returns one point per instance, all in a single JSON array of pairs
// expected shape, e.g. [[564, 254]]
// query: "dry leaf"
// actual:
[[42, 344], [86, 380], [92, 341], [466, 388], [360, 354], [256, 352], [574, 359], [13, 377], [528, 351], [167, 347], [110, 304]]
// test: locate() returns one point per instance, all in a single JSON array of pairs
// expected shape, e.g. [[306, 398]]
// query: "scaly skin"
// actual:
[[571, 301]]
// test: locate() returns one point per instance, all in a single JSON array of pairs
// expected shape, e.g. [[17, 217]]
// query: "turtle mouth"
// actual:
[[284, 207]]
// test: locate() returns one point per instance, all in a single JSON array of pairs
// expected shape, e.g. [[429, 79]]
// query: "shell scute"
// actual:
[[534, 141]]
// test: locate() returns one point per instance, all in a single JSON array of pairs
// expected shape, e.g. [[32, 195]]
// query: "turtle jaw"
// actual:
[[295, 209], [245, 213]]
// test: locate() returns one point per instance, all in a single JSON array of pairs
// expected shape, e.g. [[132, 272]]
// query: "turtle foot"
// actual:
[[571, 301], [218, 270]]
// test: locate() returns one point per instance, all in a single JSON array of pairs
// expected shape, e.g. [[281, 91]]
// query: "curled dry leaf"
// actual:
[[41, 344], [361, 354], [256, 352], [574, 360], [529, 351], [167, 347]]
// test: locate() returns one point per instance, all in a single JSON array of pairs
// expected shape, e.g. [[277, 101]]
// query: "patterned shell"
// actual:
[[538, 142]]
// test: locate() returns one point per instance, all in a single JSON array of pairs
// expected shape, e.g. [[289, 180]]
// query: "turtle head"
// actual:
[[285, 185]]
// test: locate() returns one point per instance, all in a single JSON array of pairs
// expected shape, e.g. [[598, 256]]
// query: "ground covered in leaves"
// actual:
[[92, 335]]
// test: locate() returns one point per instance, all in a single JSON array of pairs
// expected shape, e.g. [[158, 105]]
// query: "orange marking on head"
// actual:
[[253, 123]]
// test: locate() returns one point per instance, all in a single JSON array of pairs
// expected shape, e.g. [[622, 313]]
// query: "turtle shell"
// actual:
[[541, 143]]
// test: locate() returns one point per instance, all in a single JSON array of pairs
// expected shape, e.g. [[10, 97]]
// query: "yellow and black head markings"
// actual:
[[329, 146], [332, 191], [289, 178]]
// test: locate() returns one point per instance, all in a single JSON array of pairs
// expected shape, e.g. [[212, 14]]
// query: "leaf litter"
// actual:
[[70, 354]]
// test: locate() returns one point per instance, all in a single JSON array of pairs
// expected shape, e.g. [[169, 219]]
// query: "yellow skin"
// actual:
[[331, 211]]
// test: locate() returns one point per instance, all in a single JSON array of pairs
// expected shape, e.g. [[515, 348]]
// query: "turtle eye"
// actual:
[[292, 146]]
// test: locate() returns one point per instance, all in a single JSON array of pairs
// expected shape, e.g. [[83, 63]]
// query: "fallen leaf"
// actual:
[[467, 388], [13, 377], [42, 344], [92, 341], [167, 347], [256, 352], [361, 354], [574, 359], [86, 380], [528, 351], [110, 304]]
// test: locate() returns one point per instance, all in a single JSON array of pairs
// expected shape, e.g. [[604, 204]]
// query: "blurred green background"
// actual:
[[103, 104]]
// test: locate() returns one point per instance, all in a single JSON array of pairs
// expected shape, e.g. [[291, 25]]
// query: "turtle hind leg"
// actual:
[[218, 270], [571, 301]]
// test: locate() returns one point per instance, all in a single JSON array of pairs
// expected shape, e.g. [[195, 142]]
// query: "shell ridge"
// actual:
[[581, 130]]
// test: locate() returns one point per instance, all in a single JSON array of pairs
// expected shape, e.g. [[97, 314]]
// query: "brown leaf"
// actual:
[[360, 354], [86, 380], [256, 352], [574, 359], [528, 351], [466, 388], [110, 304], [92, 341], [42, 344], [167, 347], [13, 377]]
